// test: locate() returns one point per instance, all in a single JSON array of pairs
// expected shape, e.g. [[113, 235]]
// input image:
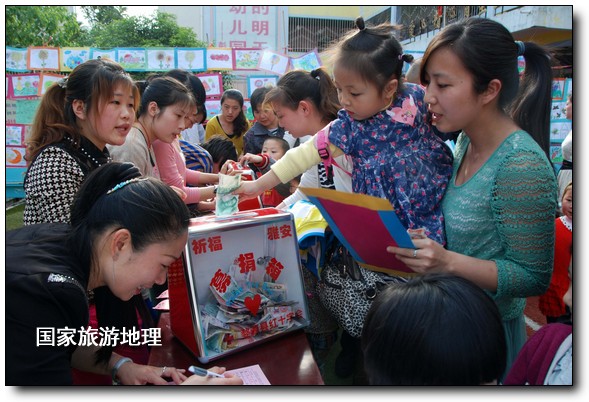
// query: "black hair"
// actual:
[[165, 91], [192, 82], [435, 329], [281, 141], [488, 51], [240, 124], [257, 98], [93, 82], [374, 53], [221, 149], [299, 85], [148, 208]]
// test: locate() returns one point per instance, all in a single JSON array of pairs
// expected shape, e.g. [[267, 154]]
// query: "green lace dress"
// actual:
[[505, 213]]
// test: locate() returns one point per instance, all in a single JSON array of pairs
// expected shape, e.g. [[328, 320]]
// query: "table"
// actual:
[[286, 360]]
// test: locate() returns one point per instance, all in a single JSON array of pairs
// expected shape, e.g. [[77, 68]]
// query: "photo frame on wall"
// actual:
[[273, 62], [246, 58], [258, 81], [219, 58], [191, 58], [213, 83]]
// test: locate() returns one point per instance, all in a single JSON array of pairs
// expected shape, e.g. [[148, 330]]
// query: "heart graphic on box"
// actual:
[[253, 303]]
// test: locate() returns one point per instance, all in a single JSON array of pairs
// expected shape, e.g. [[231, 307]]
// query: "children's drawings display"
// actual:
[[219, 58], [213, 84], [160, 59], [16, 59], [71, 57], [308, 62], [191, 59], [246, 59], [260, 81], [43, 58], [273, 62]]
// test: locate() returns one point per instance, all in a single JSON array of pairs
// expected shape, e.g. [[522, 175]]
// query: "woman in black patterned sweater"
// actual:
[[77, 117]]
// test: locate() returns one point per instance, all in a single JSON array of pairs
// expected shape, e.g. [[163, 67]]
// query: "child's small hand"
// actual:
[[251, 158]]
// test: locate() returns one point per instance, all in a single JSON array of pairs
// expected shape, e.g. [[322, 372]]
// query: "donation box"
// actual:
[[238, 283]]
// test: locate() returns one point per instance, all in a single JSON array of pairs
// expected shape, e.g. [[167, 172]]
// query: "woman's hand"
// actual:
[[229, 379], [428, 256], [139, 374]]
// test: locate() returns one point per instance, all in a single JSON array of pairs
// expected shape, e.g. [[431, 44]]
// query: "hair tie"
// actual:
[[360, 24], [124, 183], [315, 74], [400, 57], [521, 47], [62, 83]]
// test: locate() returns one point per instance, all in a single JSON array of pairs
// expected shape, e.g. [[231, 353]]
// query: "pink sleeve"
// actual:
[[193, 177], [173, 170]]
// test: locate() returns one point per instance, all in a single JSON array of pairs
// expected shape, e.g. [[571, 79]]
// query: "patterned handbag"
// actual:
[[347, 290]]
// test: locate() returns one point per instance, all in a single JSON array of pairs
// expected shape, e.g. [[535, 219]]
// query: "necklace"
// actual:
[[88, 156]]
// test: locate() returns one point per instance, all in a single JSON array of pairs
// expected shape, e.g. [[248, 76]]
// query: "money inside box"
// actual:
[[244, 281]]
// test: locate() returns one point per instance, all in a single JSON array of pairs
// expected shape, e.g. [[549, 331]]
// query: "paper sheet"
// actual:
[[251, 375]]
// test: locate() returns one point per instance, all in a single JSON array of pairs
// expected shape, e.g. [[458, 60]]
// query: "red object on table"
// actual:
[[286, 360]]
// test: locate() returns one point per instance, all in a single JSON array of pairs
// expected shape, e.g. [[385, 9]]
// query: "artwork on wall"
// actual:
[[219, 58], [48, 79], [23, 85], [246, 59], [213, 84], [132, 58], [259, 81], [160, 59], [191, 58], [43, 58], [558, 88], [16, 59], [273, 62], [110, 54], [71, 57], [308, 62]]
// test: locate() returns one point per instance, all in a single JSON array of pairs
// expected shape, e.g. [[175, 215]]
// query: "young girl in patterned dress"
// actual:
[[383, 127]]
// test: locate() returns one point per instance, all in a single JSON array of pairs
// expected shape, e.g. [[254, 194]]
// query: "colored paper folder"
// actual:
[[365, 225]]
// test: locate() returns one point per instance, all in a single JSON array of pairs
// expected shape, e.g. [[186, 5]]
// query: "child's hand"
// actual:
[[231, 168], [251, 158]]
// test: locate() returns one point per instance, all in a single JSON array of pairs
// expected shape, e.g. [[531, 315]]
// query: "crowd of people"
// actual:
[[459, 147]]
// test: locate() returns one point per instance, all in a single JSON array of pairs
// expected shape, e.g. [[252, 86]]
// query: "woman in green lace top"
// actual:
[[500, 203]]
